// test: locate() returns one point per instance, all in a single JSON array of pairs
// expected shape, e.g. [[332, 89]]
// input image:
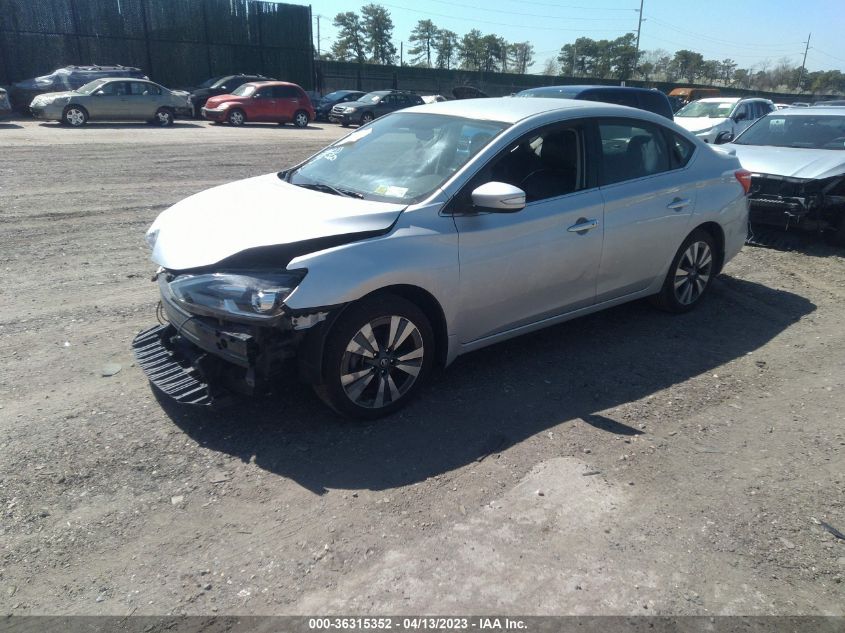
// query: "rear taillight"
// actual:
[[744, 178]]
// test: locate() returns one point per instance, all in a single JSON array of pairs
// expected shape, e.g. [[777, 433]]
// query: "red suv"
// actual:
[[261, 101]]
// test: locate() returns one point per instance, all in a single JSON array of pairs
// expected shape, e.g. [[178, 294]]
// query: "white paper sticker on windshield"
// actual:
[[391, 191], [331, 153], [357, 135]]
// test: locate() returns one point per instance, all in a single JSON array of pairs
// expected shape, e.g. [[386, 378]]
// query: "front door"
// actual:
[[522, 267], [263, 106], [110, 101]]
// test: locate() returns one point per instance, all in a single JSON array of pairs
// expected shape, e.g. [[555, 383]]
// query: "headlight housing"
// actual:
[[245, 295], [349, 110]]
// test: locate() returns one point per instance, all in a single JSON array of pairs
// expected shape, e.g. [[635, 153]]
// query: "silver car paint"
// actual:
[[425, 251], [493, 284], [795, 162]]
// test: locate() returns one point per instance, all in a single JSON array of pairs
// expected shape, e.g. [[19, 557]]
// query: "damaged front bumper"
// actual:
[[797, 203], [198, 359]]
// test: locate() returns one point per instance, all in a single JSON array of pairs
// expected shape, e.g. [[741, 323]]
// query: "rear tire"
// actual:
[[300, 119], [690, 274], [376, 357], [236, 117]]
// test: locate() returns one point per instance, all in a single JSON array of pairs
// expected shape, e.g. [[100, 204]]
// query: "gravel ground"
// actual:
[[629, 462]]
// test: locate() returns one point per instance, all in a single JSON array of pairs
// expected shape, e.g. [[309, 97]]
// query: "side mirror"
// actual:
[[723, 137], [498, 197], [741, 116], [99, 93]]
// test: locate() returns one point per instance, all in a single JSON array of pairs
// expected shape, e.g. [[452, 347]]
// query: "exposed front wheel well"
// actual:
[[311, 350]]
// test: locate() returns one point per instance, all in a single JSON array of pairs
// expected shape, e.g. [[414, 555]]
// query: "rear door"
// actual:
[[144, 99], [649, 196]]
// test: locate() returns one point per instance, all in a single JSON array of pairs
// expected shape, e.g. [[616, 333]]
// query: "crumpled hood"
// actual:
[[696, 123], [795, 162], [264, 211], [57, 95]]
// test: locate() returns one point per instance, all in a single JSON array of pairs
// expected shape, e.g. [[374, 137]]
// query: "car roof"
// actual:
[[813, 111], [271, 83], [509, 110], [578, 88]]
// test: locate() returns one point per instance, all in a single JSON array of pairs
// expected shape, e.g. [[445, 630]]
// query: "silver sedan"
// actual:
[[112, 100], [430, 233]]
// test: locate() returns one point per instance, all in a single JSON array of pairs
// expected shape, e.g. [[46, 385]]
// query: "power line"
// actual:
[[527, 15], [569, 6], [717, 40], [518, 26]]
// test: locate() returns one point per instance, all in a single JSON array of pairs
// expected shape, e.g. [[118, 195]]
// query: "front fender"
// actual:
[[421, 251]]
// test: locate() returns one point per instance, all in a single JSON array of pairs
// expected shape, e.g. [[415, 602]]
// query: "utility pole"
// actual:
[[639, 27], [318, 37], [401, 53], [804, 63]]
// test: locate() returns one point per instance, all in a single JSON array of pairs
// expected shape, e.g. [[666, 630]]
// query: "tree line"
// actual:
[[368, 37]]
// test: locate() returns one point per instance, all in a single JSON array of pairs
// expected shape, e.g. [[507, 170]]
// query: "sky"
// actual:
[[753, 34]]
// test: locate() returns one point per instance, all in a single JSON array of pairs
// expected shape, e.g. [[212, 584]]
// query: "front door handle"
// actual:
[[582, 225], [678, 203]]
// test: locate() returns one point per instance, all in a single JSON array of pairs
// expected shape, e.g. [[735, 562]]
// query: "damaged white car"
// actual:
[[430, 233], [797, 160]]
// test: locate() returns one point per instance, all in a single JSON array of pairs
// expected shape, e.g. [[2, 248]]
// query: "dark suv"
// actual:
[[373, 105], [642, 98], [67, 78], [223, 85]]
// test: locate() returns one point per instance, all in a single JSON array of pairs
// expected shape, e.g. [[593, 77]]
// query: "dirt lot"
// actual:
[[630, 462]]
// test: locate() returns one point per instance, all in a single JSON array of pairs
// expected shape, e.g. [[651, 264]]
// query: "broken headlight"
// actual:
[[248, 295]]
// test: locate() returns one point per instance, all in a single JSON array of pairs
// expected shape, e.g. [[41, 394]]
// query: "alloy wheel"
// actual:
[[164, 118], [301, 119], [693, 272], [236, 118], [382, 361], [75, 117]]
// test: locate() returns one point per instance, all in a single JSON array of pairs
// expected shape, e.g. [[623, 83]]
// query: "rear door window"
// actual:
[[631, 150], [285, 92], [619, 97]]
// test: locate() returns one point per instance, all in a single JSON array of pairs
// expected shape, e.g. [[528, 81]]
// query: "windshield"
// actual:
[[373, 97], [91, 86], [208, 83], [401, 158], [334, 96], [709, 109], [244, 91], [811, 132]]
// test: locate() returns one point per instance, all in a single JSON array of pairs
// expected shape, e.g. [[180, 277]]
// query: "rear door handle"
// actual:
[[583, 225], [678, 203]]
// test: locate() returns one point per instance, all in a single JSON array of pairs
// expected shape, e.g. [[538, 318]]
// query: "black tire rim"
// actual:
[[382, 362], [693, 272], [366, 118]]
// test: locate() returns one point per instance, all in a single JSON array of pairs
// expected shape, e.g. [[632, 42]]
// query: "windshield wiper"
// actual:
[[318, 186]]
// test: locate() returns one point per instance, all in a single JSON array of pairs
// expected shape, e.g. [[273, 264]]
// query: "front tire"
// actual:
[[236, 117], [366, 118], [164, 117], [75, 116], [690, 274], [376, 357]]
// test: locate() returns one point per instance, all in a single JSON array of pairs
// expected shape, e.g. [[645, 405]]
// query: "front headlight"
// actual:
[[151, 238], [349, 110], [250, 295]]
